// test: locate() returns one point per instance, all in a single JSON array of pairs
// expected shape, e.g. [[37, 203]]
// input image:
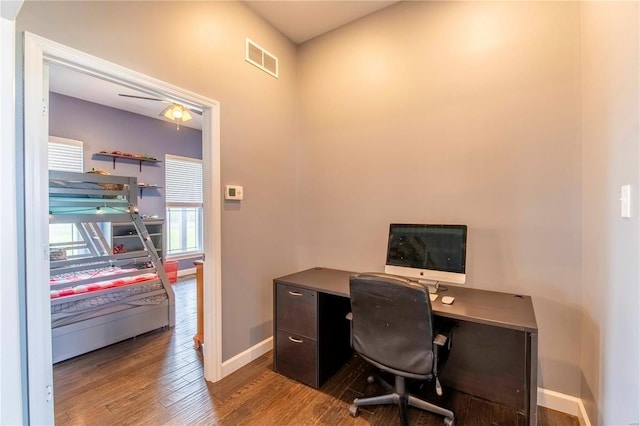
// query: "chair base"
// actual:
[[399, 395]]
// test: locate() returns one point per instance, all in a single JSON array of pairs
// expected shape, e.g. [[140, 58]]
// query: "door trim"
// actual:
[[37, 52]]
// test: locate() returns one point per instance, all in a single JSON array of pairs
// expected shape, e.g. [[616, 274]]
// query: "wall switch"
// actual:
[[233, 192], [625, 201]]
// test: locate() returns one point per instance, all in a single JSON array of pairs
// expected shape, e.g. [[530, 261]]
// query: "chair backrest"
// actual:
[[392, 323]]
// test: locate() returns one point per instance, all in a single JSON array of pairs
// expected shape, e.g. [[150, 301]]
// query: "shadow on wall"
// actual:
[[486, 258], [550, 313], [231, 205], [259, 333], [591, 339]]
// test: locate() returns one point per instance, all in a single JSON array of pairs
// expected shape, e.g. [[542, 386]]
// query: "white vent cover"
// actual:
[[262, 59]]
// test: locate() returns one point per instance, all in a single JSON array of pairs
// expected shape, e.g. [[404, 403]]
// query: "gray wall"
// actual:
[[453, 112], [444, 112], [610, 244], [103, 128], [257, 124]]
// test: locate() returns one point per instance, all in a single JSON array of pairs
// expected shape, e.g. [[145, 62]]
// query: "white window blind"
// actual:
[[183, 191], [66, 154], [183, 180]]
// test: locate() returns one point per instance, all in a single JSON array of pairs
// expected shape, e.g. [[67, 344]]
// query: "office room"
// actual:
[[519, 120]]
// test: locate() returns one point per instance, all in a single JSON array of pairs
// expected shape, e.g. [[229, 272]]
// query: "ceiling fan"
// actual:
[[175, 111]]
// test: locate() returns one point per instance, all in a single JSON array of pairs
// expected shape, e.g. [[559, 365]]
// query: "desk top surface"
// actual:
[[480, 306]]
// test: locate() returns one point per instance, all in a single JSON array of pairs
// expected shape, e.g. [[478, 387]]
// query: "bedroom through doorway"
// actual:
[[39, 55]]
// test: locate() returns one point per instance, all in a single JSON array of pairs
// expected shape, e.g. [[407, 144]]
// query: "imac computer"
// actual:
[[431, 254]]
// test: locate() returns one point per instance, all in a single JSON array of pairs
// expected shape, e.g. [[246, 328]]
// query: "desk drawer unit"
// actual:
[[297, 357], [297, 310], [304, 318]]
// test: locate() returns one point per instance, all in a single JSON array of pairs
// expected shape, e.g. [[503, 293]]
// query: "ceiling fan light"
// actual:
[[166, 113], [176, 113], [172, 112]]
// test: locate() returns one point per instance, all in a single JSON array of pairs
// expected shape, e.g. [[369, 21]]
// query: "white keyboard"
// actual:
[[433, 296]]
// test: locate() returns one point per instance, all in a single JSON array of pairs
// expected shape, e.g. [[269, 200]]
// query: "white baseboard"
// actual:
[[184, 272], [244, 358], [564, 403]]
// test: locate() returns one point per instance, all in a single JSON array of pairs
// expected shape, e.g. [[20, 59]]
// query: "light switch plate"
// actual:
[[625, 201]]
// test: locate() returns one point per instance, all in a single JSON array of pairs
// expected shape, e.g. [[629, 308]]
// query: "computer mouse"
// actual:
[[447, 300]]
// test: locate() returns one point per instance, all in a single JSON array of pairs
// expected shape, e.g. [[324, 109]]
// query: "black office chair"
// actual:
[[392, 328]]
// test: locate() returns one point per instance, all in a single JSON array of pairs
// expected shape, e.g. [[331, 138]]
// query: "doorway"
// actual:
[[39, 51]]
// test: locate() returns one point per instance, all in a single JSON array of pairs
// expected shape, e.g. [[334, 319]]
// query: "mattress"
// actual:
[[117, 280], [84, 304], [148, 290]]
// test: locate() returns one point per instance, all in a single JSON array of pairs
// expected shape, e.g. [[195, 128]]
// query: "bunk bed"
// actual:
[[100, 296]]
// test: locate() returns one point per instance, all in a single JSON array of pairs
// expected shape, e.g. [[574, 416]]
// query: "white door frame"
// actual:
[[11, 371], [37, 51]]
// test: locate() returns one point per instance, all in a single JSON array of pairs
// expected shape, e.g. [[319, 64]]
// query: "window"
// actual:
[[183, 183], [65, 155]]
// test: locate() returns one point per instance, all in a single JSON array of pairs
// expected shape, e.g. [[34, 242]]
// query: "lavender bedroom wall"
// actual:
[[103, 128]]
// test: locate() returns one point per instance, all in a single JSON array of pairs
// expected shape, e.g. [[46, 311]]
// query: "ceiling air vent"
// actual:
[[262, 59]]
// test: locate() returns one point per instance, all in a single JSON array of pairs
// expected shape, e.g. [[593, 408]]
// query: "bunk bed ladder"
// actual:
[[94, 238], [155, 260]]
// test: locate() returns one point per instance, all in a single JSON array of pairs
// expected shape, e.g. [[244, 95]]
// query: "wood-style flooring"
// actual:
[[157, 379]]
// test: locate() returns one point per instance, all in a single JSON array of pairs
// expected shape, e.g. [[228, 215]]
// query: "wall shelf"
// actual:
[[140, 160], [143, 186]]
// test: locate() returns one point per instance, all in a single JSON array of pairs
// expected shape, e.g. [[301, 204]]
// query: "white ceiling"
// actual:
[[303, 20], [298, 20], [69, 82]]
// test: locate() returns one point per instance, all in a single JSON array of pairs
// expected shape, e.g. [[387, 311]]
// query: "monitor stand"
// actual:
[[431, 285]]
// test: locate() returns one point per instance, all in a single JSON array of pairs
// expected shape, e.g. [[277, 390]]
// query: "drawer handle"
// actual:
[[295, 293], [294, 340]]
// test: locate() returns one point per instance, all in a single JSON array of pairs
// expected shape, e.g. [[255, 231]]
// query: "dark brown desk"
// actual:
[[495, 342]]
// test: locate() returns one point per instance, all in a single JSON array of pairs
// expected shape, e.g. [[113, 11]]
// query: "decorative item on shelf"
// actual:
[[98, 172], [142, 186], [120, 248], [128, 155], [141, 158]]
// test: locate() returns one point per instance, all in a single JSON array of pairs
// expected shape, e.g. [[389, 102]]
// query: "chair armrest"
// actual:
[[440, 339], [443, 334]]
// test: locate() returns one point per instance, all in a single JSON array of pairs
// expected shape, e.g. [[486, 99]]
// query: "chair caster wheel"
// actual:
[[371, 380], [354, 410], [448, 421]]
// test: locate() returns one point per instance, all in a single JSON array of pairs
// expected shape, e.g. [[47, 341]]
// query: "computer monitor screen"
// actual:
[[429, 253]]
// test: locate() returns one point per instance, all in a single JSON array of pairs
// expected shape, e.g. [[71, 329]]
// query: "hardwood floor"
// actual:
[[157, 379]]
